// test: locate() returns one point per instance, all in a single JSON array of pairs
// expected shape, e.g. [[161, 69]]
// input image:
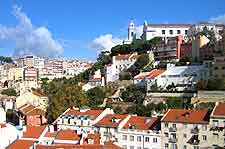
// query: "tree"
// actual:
[[95, 96], [63, 96], [9, 92], [125, 76], [133, 94], [4, 59]]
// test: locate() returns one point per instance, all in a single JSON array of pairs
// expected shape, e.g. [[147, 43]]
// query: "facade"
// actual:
[[31, 116], [182, 77], [164, 30], [120, 63], [219, 66], [217, 126], [38, 62], [28, 61], [15, 74], [131, 33], [30, 74], [184, 129], [140, 132], [81, 120]]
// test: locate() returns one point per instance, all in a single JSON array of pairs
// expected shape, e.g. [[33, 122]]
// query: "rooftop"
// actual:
[[111, 120], [127, 56], [219, 110], [186, 116], [87, 112], [21, 144], [169, 25], [152, 74], [33, 132], [67, 135], [141, 123]]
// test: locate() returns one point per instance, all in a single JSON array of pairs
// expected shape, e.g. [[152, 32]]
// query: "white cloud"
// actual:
[[105, 42], [29, 39], [219, 19]]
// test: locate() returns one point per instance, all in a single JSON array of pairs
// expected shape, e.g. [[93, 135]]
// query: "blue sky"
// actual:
[[79, 28]]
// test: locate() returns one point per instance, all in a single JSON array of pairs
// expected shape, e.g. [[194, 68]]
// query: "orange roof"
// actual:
[[36, 111], [70, 146], [141, 123], [33, 131], [37, 93], [27, 108], [94, 113], [152, 74], [186, 116], [127, 56], [67, 135], [50, 135], [2, 125], [111, 145], [21, 144], [95, 79], [95, 137], [111, 120], [219, 110]]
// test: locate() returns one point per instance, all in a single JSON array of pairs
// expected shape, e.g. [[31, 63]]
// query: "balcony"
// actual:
[[172, 140], [172, 129], [194, 130], [194, 140], [217, 128]]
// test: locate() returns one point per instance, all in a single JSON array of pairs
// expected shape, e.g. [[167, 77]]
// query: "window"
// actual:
[[131, 147], [171, 32], [166, 134], [139, 138], [196, 147], [146, 139], [215, 122], [204, 137], [139, 147], [124, 147], [185, 147], [163, 32], [186, 32], [124, 137], [166, 125], [154, 140], [178, 31], [185, 135], [185, 125], [132, 34], [131, 138], [166, 145], [174, 125], [204, 127]]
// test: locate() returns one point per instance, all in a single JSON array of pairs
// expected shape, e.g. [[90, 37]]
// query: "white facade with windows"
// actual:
[[164, 30]]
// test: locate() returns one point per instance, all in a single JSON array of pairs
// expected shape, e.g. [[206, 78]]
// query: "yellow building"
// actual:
[[15, 74]]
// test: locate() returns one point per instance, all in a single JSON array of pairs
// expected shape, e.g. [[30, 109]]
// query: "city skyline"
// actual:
[[91, 30]]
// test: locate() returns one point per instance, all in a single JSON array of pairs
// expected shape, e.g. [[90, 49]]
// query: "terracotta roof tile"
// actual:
[[219, 110], [50, 135], [21, 144], [70, 146], [27, 108], [33, 131], [67, 135], [186, 116], [111, 120], [94, 113], [36, 111], [141, 123], [152, 74], [95, 137], [2, 125]]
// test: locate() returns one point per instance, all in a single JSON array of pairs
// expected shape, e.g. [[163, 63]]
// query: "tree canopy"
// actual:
[[9, 92]]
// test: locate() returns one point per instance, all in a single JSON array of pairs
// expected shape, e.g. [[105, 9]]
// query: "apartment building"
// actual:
[[30, 74], [219, 66], [140, 133], [164, 30], [81, 120], [217, 126], [120, 63], [185, 129]]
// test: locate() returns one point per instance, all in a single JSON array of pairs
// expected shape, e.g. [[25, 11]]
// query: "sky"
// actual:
[[81, 29]]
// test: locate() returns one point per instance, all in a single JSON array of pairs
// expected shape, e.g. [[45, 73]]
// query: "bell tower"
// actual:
[[131, 31]]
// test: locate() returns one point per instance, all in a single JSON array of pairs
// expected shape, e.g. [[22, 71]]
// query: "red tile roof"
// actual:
[[50, 135], [152, 74], [111, 120], [127, 56], [94, 113], [21, 144], [95, 137], [141, 123], [33, 131], [2, 125], [67, 135], [95, 79], [70, 146], [36, 111], [186, 116], [219, 110]]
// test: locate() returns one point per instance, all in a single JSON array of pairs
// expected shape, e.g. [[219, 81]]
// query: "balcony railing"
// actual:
[[172, 129], [194, 130], [172, 140], [217, 128], [194, 140]]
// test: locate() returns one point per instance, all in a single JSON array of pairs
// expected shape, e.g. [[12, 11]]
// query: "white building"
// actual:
[[120, 63], [183, 77], [38, 62], [164, 30], [131, 33]]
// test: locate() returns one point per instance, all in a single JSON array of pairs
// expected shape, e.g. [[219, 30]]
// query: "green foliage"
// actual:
[[184, 61], [215, 84], [202, 106], [125, 76], [141, 62], [63, 96], [9, 92], [174, 103], [95, 96], [4, 59], [12, 117], [133, 94]]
